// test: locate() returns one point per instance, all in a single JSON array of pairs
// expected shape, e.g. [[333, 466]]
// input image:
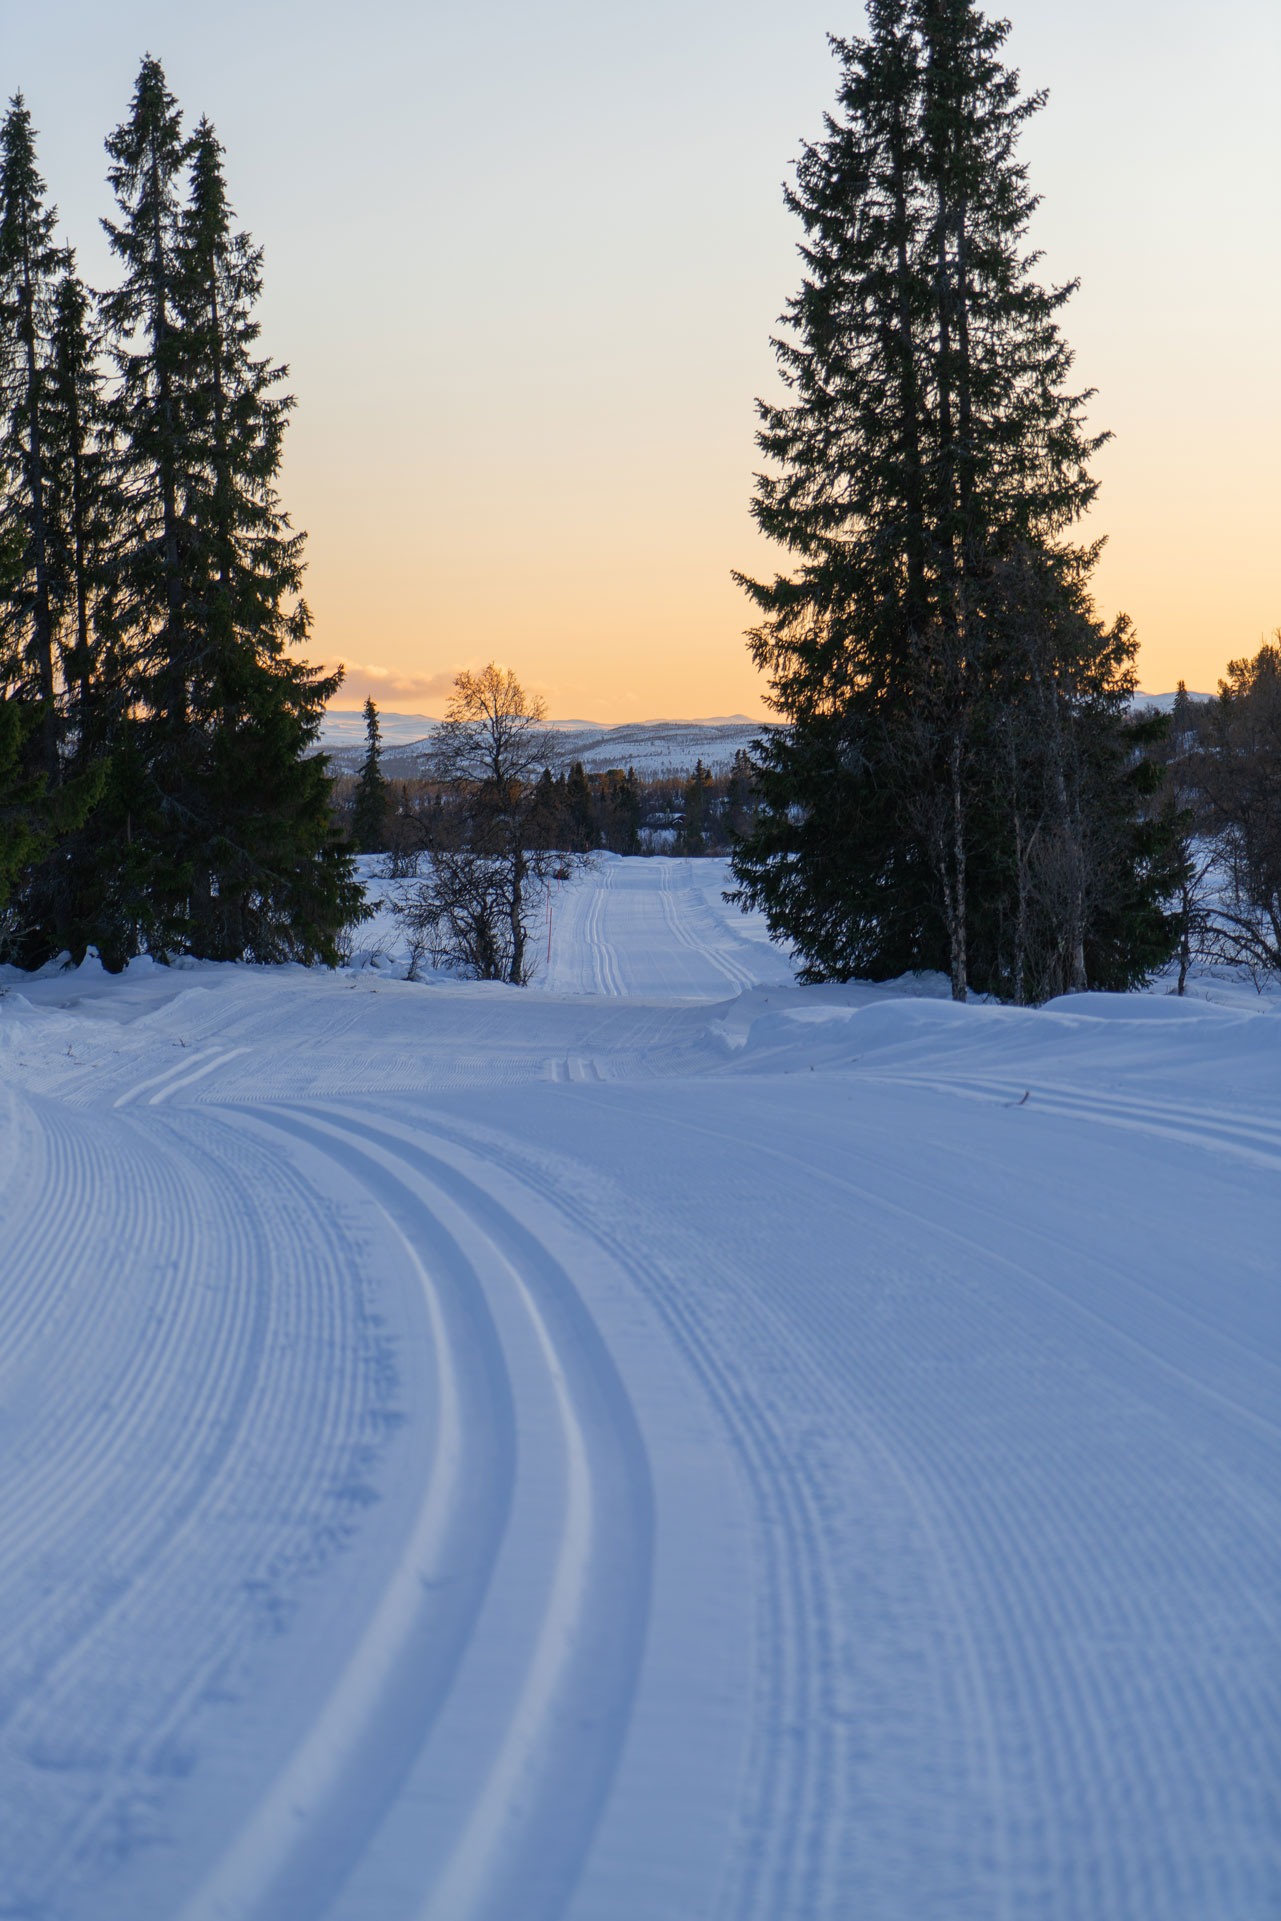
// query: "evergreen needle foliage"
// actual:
[[369, 819], [959, 786], [156, 601]]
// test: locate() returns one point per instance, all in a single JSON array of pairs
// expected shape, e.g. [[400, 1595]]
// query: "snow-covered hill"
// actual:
[[651, 747], [665, 1443]]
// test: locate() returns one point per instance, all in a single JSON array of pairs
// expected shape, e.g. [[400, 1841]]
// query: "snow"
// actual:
[[667, 1445], [654, 748]]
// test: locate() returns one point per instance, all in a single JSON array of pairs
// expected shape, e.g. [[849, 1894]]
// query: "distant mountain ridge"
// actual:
[[653, 747]]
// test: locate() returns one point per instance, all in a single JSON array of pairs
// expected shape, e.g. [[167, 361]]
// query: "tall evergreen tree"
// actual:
[[694, 836], [926, 471], [31, 264], [144, 609], [269, 877], [24, 814], [369, 816], [81, 516], [232, 814], [43, 448], [580, 810]]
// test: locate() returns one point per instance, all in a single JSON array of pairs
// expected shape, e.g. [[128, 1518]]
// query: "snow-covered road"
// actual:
[[664, 1446]]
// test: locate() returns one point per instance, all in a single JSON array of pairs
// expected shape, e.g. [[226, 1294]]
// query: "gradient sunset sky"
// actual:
[[524, 259]]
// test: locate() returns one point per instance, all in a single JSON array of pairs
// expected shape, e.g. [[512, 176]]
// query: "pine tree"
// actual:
[[940, 796], [369, 816]]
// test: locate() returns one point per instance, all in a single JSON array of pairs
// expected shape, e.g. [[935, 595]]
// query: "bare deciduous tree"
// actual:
[[471, 907]]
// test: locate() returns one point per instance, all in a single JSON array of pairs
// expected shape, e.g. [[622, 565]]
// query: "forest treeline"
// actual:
[[618, 811], [156, 787]]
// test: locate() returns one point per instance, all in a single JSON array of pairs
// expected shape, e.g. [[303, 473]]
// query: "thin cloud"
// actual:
[[385, 685], [363, 682]]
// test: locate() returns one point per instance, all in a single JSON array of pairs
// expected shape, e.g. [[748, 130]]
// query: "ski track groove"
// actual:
[[505, 1854], [604, 968], [1077, 1775], [1125, 1282], [1052, 1691], [1192, 1127], [134, 1514], [737, 975], [1006, 1631], [790, 1823], [320, 1813], [596, 1661]]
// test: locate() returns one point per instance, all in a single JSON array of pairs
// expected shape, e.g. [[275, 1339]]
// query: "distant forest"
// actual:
[[618, 810]]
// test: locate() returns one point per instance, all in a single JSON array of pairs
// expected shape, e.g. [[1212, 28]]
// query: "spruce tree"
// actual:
[[145, 611], [229, 806], [24, 825], [44, 449], [24, 820], [694, 837], [935, 651], [82, 516], [580, 810], [369, 817], [31, 264], [269, 878]]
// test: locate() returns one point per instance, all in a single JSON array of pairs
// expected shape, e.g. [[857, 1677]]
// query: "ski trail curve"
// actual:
[[790, 1821], [318, 1816], [733, 970], [526, 1836], [553, 1747]]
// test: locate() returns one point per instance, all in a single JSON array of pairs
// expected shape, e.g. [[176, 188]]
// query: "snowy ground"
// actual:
[[664, 1446]]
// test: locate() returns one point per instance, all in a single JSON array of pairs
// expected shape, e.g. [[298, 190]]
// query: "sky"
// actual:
[[523, 258]]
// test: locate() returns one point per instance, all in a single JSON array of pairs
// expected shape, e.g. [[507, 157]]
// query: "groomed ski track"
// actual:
[[667, 1446]]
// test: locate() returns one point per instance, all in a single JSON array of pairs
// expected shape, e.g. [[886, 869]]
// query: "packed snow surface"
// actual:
[[666, 1445]]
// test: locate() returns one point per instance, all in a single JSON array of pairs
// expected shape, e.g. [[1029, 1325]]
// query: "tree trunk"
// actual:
[[43, 611], [957, 914], [910, 400], [517, 973]]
